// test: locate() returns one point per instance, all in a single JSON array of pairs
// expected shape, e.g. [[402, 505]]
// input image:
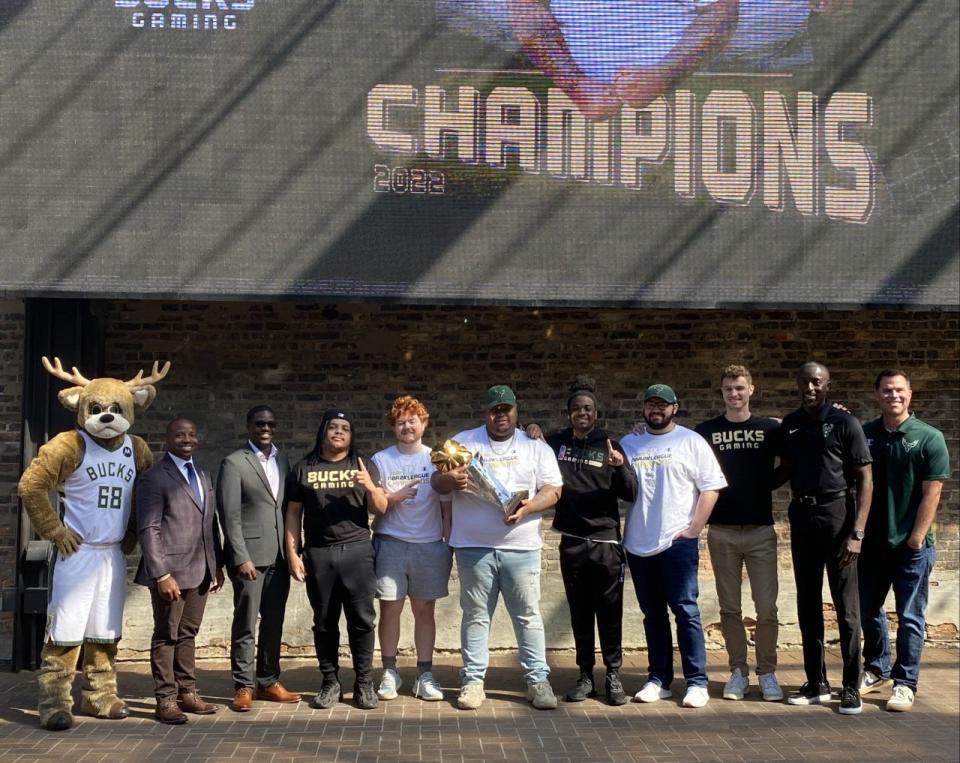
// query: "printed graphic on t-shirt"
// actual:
[[737, 439], [405, 477], [331, 479], [576, 455], [651, 459], [501, 465]]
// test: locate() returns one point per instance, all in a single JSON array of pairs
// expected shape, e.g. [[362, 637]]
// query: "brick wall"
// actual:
[[11, 385], [304, 358]]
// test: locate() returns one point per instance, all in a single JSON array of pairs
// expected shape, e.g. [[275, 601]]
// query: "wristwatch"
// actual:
[[857, 534]]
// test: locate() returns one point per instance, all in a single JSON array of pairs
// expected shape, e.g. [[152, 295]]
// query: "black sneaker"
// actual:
[[582, 689], [329, 695], [810, 694], [364, 696], [615, 693], [850, 701]]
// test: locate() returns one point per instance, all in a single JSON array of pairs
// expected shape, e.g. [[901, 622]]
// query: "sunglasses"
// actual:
[[265, 424]]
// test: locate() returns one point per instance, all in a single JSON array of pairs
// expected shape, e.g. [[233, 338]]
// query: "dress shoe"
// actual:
[[192, 702], [277, 693], [168, 711], [242, 699]]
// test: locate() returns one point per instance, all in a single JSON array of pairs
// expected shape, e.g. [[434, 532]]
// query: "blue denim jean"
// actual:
[[907, 571], [485, 574], [669, 579]]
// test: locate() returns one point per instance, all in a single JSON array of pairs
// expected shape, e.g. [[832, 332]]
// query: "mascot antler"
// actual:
[[157, 374], [74, 378]]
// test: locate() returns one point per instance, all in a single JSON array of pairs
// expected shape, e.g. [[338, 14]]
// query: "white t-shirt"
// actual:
[[605, 36], [520, 464], [672, 470], [417, 519]]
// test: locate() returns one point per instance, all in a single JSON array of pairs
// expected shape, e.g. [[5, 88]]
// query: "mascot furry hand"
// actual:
[[94, 468]]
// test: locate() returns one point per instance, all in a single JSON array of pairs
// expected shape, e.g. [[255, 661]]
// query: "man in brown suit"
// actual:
[[181, 562]]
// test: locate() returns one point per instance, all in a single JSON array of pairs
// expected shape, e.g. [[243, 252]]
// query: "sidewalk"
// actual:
[[506, 728]]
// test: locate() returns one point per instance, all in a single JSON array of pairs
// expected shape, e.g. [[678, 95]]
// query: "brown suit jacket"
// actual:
[[177, 535]]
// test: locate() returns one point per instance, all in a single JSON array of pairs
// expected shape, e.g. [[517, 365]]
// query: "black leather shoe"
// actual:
[[582, 689], [614, 689]]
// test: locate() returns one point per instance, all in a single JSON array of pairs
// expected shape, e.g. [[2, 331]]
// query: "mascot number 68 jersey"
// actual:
[[97, 497]]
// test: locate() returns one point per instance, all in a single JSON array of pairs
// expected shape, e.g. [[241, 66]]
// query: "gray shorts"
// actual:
[[418, 570]]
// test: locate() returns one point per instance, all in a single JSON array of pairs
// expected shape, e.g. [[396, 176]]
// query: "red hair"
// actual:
[[405, 406]]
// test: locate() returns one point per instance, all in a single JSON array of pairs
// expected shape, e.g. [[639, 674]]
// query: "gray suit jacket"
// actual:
[[177, 535], [251, 517]]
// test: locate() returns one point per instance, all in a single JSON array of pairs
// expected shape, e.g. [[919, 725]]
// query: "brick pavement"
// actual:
[[506, 728]]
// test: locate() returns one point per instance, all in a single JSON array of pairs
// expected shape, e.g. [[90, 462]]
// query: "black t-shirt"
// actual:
[[588, 505], [746, 451], [334, 503], [824, 450]]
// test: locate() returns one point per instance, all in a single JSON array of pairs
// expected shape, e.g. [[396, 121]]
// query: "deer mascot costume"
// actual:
[[94, 468]]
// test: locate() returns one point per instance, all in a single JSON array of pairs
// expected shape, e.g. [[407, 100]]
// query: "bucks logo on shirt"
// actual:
[[97, 496]]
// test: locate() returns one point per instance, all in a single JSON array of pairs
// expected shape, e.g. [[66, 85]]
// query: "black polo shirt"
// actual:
[[824, 451]]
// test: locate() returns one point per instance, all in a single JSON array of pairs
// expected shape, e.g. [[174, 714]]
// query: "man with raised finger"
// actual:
[[327, 533]]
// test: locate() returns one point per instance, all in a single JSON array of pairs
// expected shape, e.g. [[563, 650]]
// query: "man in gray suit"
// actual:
[[180, 538], [249, 502]]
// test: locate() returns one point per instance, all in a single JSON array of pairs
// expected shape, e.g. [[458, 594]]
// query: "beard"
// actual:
[[662, 422]]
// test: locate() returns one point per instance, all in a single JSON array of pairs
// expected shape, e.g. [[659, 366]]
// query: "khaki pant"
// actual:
[[732, 547]]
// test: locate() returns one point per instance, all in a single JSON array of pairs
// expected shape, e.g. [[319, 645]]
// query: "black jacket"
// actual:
[[588, 506]]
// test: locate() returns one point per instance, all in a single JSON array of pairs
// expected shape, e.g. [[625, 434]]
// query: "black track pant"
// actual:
[[817, 535], [342, 579], [593, 579]]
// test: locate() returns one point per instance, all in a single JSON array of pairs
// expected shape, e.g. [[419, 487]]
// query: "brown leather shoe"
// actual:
[[168, 711], [277, 693], [242, 699], [192, 702]]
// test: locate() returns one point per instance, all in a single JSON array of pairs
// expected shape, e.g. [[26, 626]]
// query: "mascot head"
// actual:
[[105, 407]]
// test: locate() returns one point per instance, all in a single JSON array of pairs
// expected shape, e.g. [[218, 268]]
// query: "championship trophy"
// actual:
[[481, 482]]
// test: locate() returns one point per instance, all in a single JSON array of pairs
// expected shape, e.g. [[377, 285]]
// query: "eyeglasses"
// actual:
[[265, 424], [659, 405]]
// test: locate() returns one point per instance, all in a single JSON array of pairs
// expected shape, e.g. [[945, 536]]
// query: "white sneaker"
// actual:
[[737, 686], [389, 684], [471, 696], [770, 688], [871, 681], [696, 696], [426, 688], [651, 692], [901, 700], [540, 695]]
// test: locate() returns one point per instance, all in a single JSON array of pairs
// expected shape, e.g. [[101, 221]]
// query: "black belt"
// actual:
[[820, 498]]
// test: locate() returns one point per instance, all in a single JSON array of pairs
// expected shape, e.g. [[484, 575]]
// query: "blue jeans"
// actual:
[[907, 571], [669, 579], [485, 573]]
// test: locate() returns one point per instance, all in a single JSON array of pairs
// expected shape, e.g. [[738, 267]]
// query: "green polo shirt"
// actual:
[[903, 460]]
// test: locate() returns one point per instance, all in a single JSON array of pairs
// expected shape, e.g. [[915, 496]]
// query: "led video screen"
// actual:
[[693, 153]]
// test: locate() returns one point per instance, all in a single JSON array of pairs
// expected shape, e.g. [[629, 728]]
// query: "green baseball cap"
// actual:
[[500, 394], [661, 391]]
